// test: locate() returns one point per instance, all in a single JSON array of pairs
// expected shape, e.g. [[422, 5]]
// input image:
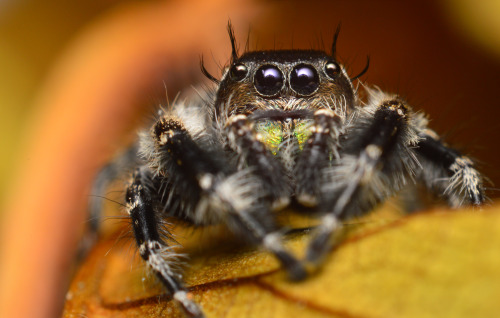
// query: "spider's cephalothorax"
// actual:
[[283, 126]]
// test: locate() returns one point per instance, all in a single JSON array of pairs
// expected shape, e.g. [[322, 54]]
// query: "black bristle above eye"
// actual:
[[232, 38], [334, 43], [364, 70], [207, 73]]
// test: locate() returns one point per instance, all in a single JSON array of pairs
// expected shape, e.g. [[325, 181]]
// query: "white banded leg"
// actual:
[[374, 165], [213, 187], [152, 247], [458, 180]]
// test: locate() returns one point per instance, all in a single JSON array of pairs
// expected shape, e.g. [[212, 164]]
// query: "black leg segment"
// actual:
[[152, 247], [450, 173], [374, 165], [216, 192]]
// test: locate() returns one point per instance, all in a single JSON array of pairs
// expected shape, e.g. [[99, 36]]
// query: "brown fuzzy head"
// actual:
[[284, 82]]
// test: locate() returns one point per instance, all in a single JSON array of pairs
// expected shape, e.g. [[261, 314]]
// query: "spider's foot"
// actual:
[[191, 309]]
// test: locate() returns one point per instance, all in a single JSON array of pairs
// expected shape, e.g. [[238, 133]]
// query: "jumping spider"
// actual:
[[283, 127]]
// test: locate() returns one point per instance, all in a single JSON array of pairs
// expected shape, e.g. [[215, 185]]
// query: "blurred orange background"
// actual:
[[77, 77]]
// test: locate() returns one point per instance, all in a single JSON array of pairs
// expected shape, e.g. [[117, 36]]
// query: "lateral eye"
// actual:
[[304, 79], [268, 80], [238, 72], [332, 69]]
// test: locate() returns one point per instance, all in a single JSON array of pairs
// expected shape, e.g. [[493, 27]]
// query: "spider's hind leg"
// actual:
[[449, 173], [105, 177]]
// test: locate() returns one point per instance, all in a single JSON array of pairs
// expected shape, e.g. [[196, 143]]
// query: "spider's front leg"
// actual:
[[212, 189], [376, 160], [140, 204]]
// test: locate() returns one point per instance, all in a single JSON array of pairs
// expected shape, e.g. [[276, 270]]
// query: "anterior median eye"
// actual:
[[268, 80], [304, 79]]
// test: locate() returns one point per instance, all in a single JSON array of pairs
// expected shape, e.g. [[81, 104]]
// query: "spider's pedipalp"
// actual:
[[251, 151], [320, 148]]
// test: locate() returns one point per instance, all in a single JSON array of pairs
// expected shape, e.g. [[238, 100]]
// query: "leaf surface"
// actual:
[[433, 264]]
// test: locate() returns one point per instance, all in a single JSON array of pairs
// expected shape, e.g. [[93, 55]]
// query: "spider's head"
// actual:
[[280, 90], [285, 83]]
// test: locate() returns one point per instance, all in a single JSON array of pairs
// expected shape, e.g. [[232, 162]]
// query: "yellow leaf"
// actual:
[[433, 264]]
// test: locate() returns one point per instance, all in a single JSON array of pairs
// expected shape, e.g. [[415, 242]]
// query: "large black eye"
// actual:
[[268, 80], [332, 69], [304, 79], [238, 72]]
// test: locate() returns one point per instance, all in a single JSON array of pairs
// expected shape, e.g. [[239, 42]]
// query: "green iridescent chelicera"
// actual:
[[273, 133]]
